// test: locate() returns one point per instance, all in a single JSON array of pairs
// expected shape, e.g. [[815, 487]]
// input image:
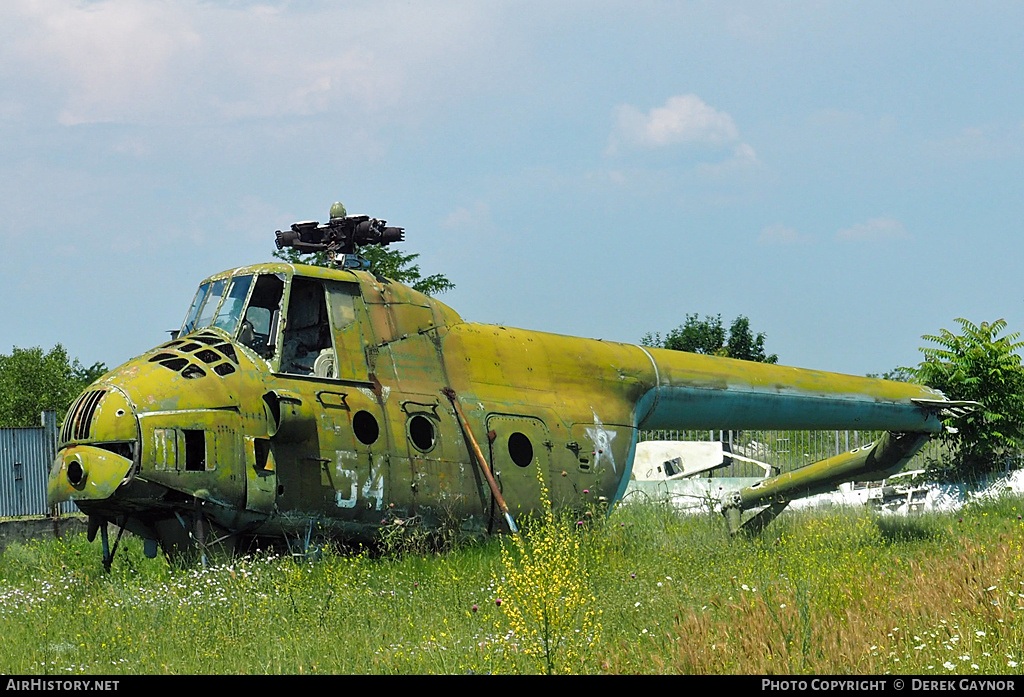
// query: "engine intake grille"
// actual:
[[78, 422]]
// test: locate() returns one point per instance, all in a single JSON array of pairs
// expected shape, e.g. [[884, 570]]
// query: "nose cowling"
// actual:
[[158, 445], [99, 439], [83, 472]]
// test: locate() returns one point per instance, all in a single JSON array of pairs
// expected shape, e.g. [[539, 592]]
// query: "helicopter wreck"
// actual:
[[297, 398]]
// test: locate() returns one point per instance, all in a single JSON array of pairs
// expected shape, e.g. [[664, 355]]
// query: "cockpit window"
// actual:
[[210, 306], [231, 309], [197, 302], [258, 329], [203, 306], [342, 304], [307, 342]]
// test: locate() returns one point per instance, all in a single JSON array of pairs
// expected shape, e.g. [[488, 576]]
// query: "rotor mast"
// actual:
[[340, 237]]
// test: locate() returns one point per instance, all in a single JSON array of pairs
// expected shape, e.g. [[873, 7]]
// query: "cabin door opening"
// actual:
[[335, 466], [323, 333]]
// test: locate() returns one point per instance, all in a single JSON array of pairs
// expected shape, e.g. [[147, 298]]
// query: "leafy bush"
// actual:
[[978, 365]]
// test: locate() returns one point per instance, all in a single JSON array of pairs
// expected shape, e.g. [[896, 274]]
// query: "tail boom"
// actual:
[[694, 391]]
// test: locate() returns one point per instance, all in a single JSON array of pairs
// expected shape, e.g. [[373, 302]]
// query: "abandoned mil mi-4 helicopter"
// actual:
[[298, 396]]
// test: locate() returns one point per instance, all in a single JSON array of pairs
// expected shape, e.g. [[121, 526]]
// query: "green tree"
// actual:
[[390, 263], [980, 366], [745, 345], [708, 336], [32, 382], [896, 375]]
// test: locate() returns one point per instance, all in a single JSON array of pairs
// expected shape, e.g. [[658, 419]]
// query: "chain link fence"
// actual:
[[788, 450]]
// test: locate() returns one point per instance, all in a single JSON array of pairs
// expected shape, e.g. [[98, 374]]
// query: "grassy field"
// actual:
[[644, 590]]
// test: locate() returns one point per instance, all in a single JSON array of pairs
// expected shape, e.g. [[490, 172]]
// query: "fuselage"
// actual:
[[299, 398]]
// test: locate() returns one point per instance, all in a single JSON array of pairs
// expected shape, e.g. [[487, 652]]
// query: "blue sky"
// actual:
[[847, 175]]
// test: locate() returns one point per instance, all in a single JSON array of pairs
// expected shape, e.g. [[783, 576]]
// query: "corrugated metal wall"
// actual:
[[25, 458]]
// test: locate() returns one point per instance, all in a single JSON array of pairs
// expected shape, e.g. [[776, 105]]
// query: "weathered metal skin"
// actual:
[[301, 398]]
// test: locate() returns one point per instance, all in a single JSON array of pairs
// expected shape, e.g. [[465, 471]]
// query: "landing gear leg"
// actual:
[[107, 556], [201, 539], [755, 524], [108, 552]]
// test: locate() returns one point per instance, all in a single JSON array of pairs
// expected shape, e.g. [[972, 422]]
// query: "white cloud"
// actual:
[[989, 142], [132, 146], [477, 218], [191, 61], [780, 234], [104, 58], [743, 159], [874, 230], [683, 120]]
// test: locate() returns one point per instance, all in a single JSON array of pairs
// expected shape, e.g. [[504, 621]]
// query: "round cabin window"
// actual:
[[520, 449], [421, 432], [364, 425]]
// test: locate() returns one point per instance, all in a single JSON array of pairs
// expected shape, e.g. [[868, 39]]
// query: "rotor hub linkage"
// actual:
[[342, 235]]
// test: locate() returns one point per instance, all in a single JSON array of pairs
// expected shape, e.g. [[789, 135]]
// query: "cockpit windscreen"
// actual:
[[203, 306]]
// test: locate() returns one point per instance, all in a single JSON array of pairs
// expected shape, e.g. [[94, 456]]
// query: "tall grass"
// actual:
[[644, 590]]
